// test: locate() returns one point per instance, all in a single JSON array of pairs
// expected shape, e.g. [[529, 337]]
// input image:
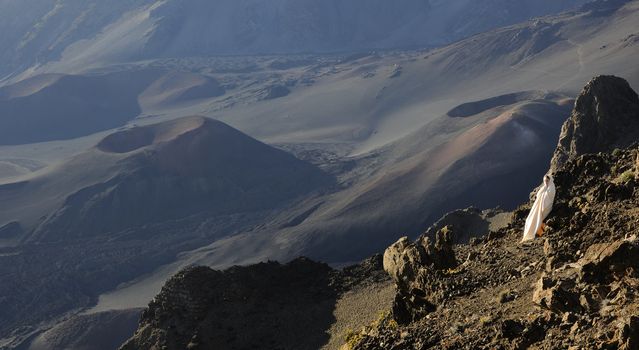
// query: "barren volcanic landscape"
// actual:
[[146, 147]]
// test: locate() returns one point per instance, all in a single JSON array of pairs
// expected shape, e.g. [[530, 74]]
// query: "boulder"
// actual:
[[405, 261], [440, 254], [555, 291], [414, 267], [467, 224], [402, 260], [605, 261]]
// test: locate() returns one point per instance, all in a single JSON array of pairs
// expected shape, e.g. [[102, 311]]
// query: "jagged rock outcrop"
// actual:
[[605, 117], [577, 287], [555, 292], [415, 268], [263, 306], [605, 262], [469, 223], [243, 307]]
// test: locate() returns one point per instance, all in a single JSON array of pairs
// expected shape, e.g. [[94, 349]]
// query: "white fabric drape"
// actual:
[[540, 209]]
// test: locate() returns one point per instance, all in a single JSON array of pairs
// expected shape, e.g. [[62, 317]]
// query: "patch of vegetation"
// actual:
[[455, 271], [352, 339], [626, 177], [383, 321], [616, 152]]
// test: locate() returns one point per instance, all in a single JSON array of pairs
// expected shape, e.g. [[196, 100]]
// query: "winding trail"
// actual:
[[580, 54], [580, 59]]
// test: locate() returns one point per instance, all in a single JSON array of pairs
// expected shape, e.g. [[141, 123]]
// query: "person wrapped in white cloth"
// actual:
[[540, 209]]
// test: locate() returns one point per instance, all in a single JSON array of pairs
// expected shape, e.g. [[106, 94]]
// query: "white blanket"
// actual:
[[540, 209]]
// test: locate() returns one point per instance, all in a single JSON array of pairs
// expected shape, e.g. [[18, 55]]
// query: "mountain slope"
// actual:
[[372, 105], [54, 106], [153, 173], [484, 160], [105, 331], [51, 107], [367, 101], [374, 100], [92, 32]]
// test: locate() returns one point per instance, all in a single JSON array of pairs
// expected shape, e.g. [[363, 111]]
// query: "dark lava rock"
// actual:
[[267, 305], [605, 117], [555, 292], [466, 224], [367, 272], [263, 306], [511, 329], [604, 261], [628, 334], [415, 268]]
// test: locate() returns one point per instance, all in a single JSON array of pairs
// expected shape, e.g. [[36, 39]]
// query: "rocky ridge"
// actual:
[[268, 305]]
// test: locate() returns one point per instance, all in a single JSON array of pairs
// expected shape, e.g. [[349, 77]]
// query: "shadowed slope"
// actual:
[[262, 306], [172, 170], [103, 331], [55, 107], [176, 88], [487, 160]]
